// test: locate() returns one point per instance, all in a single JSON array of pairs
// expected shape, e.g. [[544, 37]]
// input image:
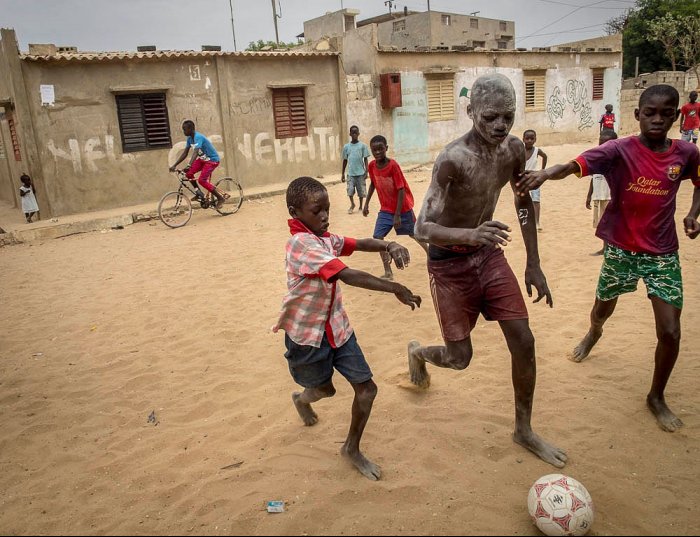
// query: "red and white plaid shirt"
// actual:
[[314, 304]]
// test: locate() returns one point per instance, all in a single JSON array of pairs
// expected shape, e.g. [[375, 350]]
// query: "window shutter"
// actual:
[[289, 108], [598, 84], [441, 100], [143, 122], [534, 90]]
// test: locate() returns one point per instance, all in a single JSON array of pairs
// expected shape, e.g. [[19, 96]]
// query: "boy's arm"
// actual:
[[345, 165], [682, 121], [589, 196], [358, 278], [23, 192], [690, 222], [428, 230], [399, 208], [531, 180], [544, 157], [398, 253], [365, 211], [366, 166], [183, 156]]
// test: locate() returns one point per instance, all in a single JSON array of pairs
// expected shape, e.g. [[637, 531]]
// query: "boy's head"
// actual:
[[693, 96], [658, 111], [188, 128], [378, 145], [529, 138], [26, 180], [354, 133], [492, 108], [609, 108], [606, 135], [307, 201]]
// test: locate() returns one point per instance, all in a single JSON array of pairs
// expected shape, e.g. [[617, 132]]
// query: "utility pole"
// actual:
[[389, 3], [274, 17], [233, 28], [428, 6]]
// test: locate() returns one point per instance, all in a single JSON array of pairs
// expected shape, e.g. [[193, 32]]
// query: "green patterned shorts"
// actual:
[[622, 270]]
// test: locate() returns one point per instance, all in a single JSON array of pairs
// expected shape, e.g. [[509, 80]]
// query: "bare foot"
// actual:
[[388, 276], [599, 252], [366, 467], [668, 421], [547, 452], [582, 350], [305, 411], [416, 367]]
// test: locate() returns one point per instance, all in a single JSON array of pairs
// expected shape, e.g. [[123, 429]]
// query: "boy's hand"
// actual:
[[365, 211], [397, 221], [588, 203], [172, 169], [399, 254], [534, 277], [186, 168], [488, 233], [405, 296], [530, 180], [342, 178], [692, 227]]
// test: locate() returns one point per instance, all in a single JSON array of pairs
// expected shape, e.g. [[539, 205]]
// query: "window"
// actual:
[[446, 20], [3, 156], [503, 26], [534, 90], [289, 108], [399, 26], [349, 22], [481, 44], [441, 98], [598, 84], [474, 23], [143, 122], [502, 44], [14, 138]]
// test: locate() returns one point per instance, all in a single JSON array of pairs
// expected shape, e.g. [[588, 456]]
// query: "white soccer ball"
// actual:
[[560, 505]]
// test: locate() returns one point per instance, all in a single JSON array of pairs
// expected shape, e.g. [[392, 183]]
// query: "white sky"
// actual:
[[99, 25]]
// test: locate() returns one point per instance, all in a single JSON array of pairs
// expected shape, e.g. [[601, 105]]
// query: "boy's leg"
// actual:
[[536, 205], [668, 334], [384, 224], [303, 400], [601, 312], [454, 355], [521, 344], [361, 409], [351, 193]]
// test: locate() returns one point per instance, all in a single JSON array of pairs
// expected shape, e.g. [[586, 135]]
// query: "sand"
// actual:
[[102, 329]]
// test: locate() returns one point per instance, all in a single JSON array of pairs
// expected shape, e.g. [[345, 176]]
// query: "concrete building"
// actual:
[[99, 130], [332, 24], [559, 94]]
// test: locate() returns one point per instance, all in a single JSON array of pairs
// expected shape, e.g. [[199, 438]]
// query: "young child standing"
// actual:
[[599, 191], [532, 153], [644, 173], [690, 119], [29, 205], [318, 335], [395, 199], [355, 155], [607, 120]]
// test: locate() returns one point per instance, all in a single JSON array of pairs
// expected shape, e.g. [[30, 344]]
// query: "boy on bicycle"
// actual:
[[204, 159]]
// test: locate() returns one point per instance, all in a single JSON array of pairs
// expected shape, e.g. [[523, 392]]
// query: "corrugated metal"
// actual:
[[165, 54]]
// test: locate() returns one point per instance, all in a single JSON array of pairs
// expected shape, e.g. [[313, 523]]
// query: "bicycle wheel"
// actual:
[[233, 188], [175, 209]]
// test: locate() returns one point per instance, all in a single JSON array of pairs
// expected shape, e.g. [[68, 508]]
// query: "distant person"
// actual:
[[532, 153], [395, 199], [599, 191], [607, 120], [205, 159], [645, 173], [28, 193], [355, 155], [690, 119], [318, 335]]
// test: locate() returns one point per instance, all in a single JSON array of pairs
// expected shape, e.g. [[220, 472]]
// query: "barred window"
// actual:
[[534, 90], [143, 122], [441, 98], [598, 84], [289, 108]]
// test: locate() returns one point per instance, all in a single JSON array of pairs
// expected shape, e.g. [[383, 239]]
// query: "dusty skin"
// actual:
[[125, 328]]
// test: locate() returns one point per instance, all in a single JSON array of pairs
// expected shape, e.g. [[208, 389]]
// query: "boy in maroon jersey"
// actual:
[[644, 173]]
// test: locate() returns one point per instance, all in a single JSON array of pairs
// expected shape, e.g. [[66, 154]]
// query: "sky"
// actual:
[[109, 25]]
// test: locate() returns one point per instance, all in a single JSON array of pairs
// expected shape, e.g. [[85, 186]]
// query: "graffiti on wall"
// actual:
[[576, 95], [87, 155], [251, 106], [264, 148]]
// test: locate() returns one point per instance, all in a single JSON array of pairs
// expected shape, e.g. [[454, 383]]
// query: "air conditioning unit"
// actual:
[[390, 90]]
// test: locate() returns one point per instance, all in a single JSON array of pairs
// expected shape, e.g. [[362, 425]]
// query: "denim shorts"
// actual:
[[312, 367], [356, 182], [385, 223], [535, 195]]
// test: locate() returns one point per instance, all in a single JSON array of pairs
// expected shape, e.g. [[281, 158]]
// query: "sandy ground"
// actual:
[[100, 330]]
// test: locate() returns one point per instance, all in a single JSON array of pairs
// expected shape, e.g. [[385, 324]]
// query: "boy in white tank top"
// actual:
[[531, 154]]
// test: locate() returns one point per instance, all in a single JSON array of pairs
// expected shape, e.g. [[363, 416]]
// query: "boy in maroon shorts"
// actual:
[[469, 274]]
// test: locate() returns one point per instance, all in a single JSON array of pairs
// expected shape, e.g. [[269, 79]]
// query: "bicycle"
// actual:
[[175, 208]]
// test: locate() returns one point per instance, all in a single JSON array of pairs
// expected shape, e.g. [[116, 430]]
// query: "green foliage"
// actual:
[[260, 44], [636, 38]]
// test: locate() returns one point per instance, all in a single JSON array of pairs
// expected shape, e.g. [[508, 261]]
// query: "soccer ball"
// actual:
[[560, 505]]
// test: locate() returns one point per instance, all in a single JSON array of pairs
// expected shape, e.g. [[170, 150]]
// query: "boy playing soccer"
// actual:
[[395, 199], [644, 173], [598, 190], [469, 274], [532, 153], [607, 120], [318, 335], [355, 155]]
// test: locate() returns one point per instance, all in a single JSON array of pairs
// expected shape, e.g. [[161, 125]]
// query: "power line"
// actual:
[[586, 7], [582, 28]]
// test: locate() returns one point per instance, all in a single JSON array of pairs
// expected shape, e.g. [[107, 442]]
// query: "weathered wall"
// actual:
[[606, 41], [228, 97], [328, 25]]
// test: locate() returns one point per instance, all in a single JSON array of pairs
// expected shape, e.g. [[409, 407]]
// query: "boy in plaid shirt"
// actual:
[[318, 335]]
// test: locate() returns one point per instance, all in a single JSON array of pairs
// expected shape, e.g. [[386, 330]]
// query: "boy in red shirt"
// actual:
[[690, 118], [607, 120], [395, 198], [644, 173]]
